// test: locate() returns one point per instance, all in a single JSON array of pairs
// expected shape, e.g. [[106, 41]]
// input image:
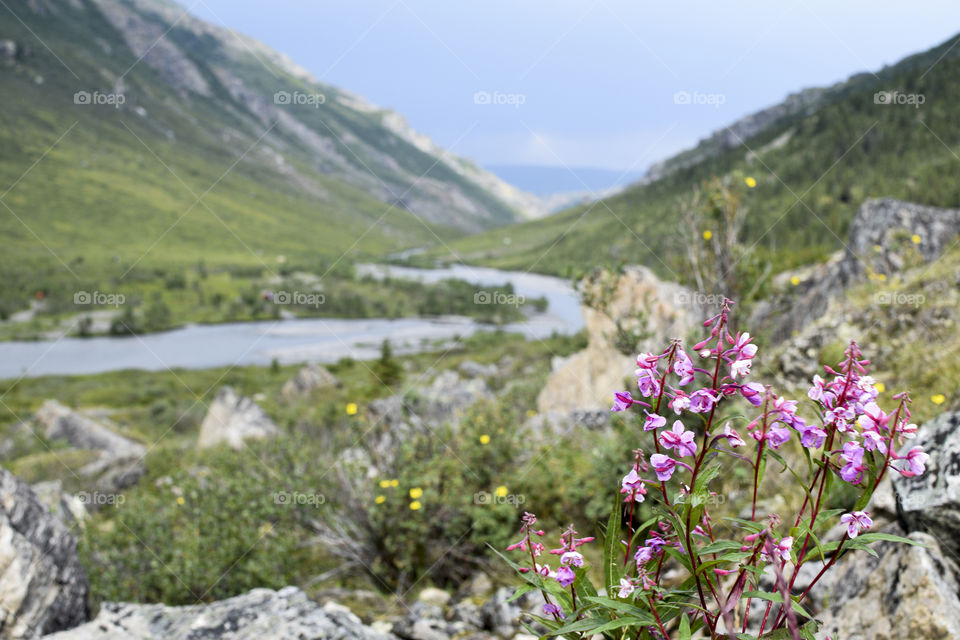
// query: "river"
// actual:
[[290, 341]]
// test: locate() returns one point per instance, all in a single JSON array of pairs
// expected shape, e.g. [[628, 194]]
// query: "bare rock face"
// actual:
[[588, 379], [881, 240], [259, 614], [907, 592], [309, 379], [931, 502], [43, 588], [120, 464], [233, 419]]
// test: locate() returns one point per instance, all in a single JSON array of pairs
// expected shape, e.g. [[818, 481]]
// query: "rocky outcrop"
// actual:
[[396, 418], [259, 614], [906, 592], [233, 419], [309, 379], [120, 461], [931, 502], [43, 588], [587, 379], [886, 237]]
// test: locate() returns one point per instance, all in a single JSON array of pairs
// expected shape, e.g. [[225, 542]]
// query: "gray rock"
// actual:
[[931, 502], [425, 621], [257, 615], [120, 464], [43, 587], [907, 592], [502, 617], [886, 224], [434, 596], [68, 508], [83, 432], [309, 379], [233, 419], [467, 612], [471, 369]]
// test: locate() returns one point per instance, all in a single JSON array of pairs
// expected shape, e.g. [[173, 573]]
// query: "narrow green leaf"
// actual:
[[611, 546]]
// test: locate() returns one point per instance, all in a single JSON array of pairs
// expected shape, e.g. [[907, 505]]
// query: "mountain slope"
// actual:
[[815, 158], [131, 131]]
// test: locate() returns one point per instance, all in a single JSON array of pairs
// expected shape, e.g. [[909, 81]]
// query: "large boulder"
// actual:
[[931, 502], [233, 419], [886, 236], [907, 592], [120, 461], [309, 379], [632, 304], [259, 614], [43, 587]]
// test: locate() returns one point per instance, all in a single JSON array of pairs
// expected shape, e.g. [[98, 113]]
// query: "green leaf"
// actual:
[[611, 545], [889, 537], [684, 631], [522, 589], [825, 515], [749, 525], [721, 545], [778, 599]]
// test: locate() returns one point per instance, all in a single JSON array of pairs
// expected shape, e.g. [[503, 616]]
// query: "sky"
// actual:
[[590, 83]]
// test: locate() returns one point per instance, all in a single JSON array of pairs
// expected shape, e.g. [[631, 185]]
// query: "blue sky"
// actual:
[[588, 83]]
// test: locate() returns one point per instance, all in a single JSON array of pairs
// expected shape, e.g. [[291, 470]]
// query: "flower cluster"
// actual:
[[848, 436]]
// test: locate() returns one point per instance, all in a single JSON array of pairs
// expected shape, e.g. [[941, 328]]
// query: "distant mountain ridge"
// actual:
[[136, 108], [814, 158]]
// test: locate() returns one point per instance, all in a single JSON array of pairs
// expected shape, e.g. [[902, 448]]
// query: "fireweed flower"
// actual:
[[633, 486], [856, 522], [622, 400], [653, 421], [526, 528], [752, 392], [916, 461], [647, 361], [733, 438], [565, 576], [702, 401], [626, 588], [852, 471], [816, 391], [680, 402], [647, 383], [680, 439], [683, 367], [780, 549], [551, 609], [740, 368], [663, 466]]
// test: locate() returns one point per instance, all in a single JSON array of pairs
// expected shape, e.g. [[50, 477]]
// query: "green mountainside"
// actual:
[[815, 158]]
